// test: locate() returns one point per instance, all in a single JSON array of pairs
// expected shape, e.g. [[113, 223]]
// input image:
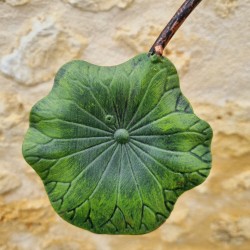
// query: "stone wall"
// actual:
[[211, 52]]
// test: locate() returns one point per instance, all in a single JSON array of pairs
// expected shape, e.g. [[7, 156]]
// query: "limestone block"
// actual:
[[41, 51], [22, 223], [172, 233], [99, 5], [65, 243], [240, 182], [16, 2], [231, 231], [12, 115], [26, 213], [224, 8], [8, 182]]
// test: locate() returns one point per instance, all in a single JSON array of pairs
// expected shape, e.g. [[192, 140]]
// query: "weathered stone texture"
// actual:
[[12, 115], [211, 52], [99, 5], [225, 7], [8, 182], [41, 51], [16, 2]]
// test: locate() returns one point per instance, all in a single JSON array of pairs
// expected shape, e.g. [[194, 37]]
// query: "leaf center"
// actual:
[[121, 135]]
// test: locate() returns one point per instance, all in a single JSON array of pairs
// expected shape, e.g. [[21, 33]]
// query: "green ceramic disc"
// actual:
[[116, 146]]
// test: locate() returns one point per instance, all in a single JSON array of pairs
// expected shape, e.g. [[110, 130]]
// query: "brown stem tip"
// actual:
[[180, 16]]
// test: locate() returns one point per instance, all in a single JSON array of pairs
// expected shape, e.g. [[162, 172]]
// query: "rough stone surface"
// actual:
[[12, 114], [8, 182], [231, 231], [211, 52], [99, 5], [41, 51], [16, 2], [224, 8]]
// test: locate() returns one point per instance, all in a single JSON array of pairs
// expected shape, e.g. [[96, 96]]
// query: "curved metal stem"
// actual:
[[180, 16]]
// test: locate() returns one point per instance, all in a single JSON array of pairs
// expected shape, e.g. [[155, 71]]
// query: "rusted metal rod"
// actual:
[[180, 16]]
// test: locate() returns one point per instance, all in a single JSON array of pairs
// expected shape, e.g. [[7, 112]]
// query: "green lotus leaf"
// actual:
[[116, 146]]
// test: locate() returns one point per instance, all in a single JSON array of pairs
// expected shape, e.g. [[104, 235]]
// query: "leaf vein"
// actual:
[[144, 96], [151, 111]]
